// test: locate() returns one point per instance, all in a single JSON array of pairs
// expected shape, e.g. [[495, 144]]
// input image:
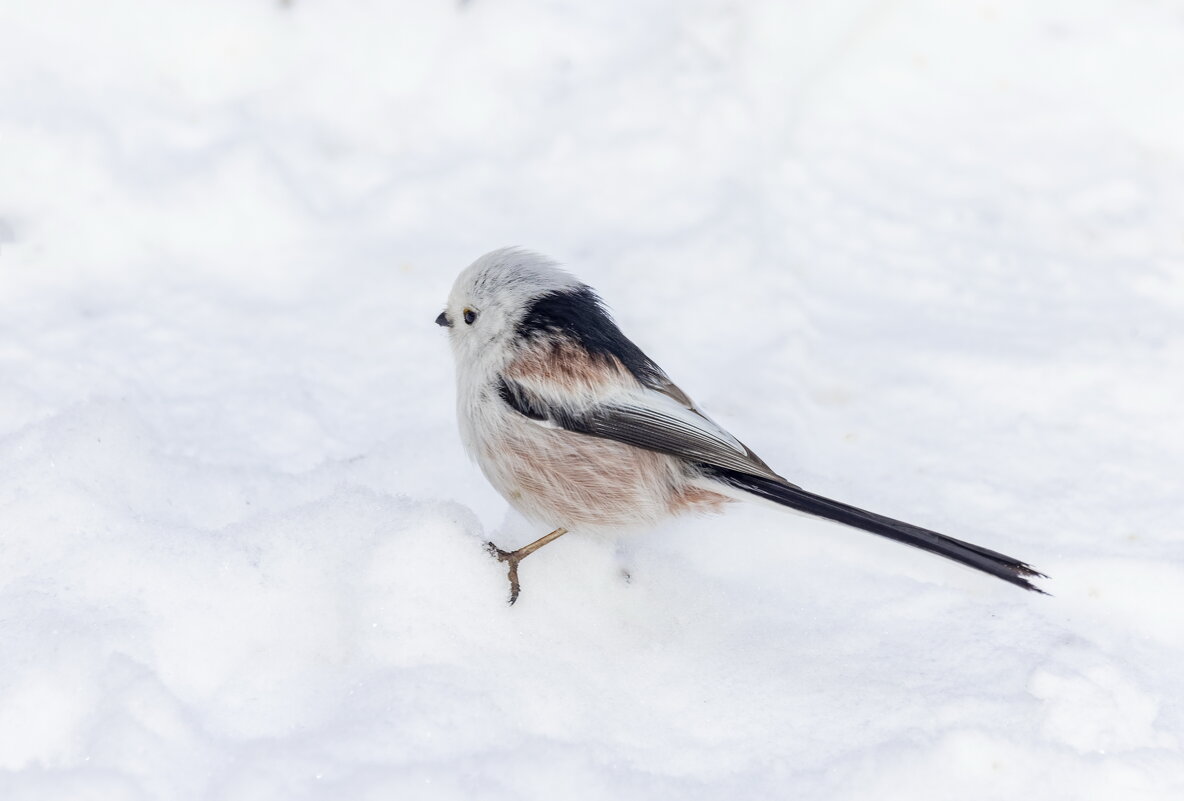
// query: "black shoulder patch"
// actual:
[[530, 405], [580, 314], [520, 401]]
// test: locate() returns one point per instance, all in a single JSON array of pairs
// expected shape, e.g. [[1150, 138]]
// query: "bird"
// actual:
[[579, 430]]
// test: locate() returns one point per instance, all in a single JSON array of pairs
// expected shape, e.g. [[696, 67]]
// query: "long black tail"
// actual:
[[786, 494]]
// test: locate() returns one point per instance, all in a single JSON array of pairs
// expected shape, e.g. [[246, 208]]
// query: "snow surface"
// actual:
[[926, 257]]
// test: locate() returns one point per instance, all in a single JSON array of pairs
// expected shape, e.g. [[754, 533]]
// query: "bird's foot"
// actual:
[[512, 558]]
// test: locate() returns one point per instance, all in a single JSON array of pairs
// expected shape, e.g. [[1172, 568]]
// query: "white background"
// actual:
[[925, 257]]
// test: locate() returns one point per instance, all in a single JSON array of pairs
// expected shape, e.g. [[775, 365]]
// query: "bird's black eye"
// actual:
[[470, 316]]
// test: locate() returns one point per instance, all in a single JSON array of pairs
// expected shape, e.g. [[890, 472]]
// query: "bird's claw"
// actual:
[[511, 558]]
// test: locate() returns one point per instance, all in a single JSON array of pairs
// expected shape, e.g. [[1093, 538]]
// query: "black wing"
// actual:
[[645, 419]]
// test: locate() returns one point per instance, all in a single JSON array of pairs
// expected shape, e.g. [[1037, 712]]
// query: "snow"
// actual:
[[924, 257]]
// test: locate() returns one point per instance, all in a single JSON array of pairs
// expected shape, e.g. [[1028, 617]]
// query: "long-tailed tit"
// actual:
[[580, 430]]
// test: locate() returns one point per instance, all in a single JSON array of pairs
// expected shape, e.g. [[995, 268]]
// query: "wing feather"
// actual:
[[644, 418]]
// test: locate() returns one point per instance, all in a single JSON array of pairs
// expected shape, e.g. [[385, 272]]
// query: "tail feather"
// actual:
[[999, 565]]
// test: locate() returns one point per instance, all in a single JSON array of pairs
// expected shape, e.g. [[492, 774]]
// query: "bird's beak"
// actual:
[[443, 320]]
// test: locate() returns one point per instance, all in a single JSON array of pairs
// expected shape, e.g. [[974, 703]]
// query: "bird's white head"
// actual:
[[491, 298]]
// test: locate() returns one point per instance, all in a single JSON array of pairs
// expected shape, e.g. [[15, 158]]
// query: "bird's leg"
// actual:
[[514, 557]]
